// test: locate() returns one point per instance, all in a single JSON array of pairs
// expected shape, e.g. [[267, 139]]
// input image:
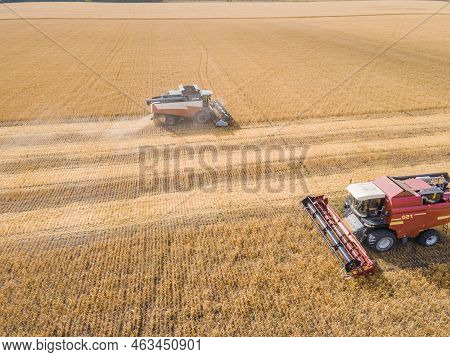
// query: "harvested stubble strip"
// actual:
[[131, 170], [178, 204]]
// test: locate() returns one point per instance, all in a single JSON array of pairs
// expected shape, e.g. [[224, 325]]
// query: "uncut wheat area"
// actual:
[[93, 241]]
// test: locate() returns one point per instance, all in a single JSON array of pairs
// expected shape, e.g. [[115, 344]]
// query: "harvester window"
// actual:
[[367, 207], [206, 99], [374, 206], [359, 207]]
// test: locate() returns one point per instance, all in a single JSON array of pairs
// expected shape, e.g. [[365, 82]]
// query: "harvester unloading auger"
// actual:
[[188, 101], [380, 213]]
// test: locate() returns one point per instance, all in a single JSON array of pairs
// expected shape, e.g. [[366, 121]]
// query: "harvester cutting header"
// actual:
[[188, 101], [380, 213]]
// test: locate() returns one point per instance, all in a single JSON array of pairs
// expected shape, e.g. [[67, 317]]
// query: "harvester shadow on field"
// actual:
[[413, 256], [189, 127], [429, 263]]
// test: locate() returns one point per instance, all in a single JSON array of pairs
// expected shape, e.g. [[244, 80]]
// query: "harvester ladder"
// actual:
[[445, 229]]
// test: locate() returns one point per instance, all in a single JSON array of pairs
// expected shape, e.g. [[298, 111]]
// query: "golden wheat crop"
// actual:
[[264, 68], [112, 225]]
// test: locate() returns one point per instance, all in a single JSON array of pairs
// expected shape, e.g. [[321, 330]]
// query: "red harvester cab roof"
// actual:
[[417, 184], [389, 187], [396, 188], [400, 193]]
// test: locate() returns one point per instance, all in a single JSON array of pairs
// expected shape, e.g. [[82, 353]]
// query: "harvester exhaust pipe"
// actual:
[[344, 245]]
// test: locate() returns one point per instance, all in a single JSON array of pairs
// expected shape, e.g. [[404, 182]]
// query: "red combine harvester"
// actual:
[[380, 213]]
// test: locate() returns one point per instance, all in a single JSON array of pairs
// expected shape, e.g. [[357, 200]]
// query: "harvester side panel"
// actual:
[[411, 220], [438, 214], [341, 241]]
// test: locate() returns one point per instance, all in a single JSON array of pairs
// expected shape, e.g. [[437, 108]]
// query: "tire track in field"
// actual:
[[240, 87], [203, 64]]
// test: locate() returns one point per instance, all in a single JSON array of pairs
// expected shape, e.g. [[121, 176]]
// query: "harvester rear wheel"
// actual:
[[428, 238], [381, 240], [203, 116]]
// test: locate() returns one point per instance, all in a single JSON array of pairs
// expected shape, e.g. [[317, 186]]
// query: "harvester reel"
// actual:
[[337, 237]]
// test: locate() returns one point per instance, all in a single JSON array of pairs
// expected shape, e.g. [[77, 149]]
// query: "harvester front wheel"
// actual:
[[203, 116], [428, 238], [381, 240], [170, 120]]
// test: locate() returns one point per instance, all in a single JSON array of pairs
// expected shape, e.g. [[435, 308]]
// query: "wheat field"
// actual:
[[263, 69], [113, 225]]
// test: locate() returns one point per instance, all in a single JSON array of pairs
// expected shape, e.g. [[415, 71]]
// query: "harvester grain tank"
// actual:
[[381, 213], [188, 101]]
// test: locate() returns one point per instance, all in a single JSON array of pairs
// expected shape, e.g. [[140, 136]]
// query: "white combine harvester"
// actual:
[[188, 101]]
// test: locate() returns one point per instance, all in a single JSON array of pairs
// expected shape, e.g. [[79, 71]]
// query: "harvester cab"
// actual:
[[188, 101], [364, 204], [380, 213]]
